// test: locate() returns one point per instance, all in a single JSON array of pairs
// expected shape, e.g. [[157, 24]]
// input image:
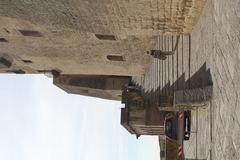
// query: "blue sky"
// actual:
[[39, 121]]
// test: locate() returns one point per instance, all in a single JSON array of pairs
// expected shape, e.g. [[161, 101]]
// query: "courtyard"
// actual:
[[210, 53]]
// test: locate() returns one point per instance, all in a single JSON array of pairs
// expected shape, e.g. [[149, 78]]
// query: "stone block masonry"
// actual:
[[135, 17]]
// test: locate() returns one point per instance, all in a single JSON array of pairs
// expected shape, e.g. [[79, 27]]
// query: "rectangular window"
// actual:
[[115, 58], [105, 37], [30, 33], [27, 61], [3, 40]]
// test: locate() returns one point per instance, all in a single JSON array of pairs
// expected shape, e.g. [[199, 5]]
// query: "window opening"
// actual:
[[30, 33], [115, 58], [105, 37]]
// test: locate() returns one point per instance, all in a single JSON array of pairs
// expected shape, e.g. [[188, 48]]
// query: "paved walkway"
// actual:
[[214, 56]]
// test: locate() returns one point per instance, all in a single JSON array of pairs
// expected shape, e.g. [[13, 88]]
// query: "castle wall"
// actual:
[[38, 48], [89, 37], [135, 17]]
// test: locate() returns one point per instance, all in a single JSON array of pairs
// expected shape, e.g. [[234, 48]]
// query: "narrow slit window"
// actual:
[[115, 58], [27, 61], [43, 71], [31, 33], [3, 40], [105, 37]]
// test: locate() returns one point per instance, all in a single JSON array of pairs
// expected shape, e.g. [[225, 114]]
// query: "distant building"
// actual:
[[142, 121], [107, 87], [139, 118]]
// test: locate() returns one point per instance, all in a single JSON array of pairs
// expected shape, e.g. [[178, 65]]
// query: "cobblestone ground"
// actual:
[[214, 56]]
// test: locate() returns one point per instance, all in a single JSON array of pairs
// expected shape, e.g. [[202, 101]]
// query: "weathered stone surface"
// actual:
[[196, 96], [77, 36], [215, 44], [216, 41], [106, 87], [109, 16], [72, 51]]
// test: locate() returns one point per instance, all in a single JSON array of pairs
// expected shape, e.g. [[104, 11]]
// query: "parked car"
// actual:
[[174, 126]]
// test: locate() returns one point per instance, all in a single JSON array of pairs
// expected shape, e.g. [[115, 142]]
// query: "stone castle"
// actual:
[[90, 47]]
